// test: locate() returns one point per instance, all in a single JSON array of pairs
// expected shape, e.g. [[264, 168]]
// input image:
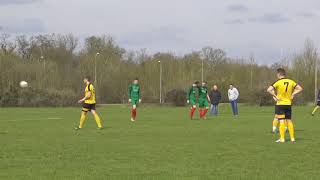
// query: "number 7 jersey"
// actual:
[[284, 89]]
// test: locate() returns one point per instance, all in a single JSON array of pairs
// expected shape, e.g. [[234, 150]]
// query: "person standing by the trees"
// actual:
[[318, 104], [192, 98], [134, 97], [233, 95], [215, 97]]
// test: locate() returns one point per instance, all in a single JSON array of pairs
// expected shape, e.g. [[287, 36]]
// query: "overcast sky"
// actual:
[[258, 27]]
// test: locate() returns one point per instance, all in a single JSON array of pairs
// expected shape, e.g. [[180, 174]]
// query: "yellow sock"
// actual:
[[315, 109], [98, 120], [82, 119], [282, 130], [291, 130]]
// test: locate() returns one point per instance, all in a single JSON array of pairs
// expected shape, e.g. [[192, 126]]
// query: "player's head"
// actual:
[[215, 87], [87, 79], [196, 83], [204, 83], [135, 81], [281, 73], [231, 86]]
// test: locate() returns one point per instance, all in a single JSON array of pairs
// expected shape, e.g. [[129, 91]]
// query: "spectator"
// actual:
[[233, 95], [215, 97]]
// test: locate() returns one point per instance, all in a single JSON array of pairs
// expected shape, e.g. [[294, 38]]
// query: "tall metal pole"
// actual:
[[95, 69], [160, 82], [202, 70], [251, 71], [316, 79]]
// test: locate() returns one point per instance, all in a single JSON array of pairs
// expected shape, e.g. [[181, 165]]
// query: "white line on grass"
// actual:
[[15, 120]]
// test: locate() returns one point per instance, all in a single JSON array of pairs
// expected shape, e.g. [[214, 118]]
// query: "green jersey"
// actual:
[[192, 93], [134, 91], [203, 92]]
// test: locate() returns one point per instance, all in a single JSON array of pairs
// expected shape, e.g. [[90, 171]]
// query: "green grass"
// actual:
[[40, 143]]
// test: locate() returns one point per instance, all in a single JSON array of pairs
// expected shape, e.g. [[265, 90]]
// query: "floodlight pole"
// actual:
[[95, 69], [201, 69], [160, 82], [316, 79]]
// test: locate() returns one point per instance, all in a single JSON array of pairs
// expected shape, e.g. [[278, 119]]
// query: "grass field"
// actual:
[[40, 143]]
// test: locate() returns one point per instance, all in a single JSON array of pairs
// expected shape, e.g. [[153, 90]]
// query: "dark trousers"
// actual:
[[234, 106], [214, 109]]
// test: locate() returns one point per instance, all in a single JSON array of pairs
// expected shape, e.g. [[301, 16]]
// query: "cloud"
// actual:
[[307, 15], [238, 8], [28, 25], [234, 21], [270, 18], [162, 35], [17, 2]]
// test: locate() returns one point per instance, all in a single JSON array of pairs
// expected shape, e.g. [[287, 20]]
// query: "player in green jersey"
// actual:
[[204, 100], [134, 97], [192, 98]]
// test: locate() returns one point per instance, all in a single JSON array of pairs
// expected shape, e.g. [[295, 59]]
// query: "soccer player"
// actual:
[[134, 97], [203, 100], [318, 104], [192, 98], [89, 104], [284, 90]]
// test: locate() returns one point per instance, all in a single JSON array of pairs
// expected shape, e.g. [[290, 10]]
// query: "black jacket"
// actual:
[[215, 97]]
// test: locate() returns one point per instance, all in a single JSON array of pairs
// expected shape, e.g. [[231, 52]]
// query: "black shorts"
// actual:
[[88, 107], [283, 112], [318, 103]]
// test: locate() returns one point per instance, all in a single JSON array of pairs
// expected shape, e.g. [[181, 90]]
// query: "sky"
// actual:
[[266, 29]]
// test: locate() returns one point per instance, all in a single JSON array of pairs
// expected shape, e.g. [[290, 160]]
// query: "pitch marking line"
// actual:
[[15, 120]]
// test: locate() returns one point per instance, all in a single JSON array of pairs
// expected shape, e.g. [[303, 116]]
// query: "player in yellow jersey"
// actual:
[[284, 91], [89, 104]]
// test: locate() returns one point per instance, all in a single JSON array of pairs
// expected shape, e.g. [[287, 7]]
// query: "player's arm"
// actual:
[[188, 95], [139, 95], [208, 97], [296, 90], [129, 92], [88, 96], [271, 91]]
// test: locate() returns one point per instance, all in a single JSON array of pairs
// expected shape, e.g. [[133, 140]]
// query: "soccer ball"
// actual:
[[23, 84]]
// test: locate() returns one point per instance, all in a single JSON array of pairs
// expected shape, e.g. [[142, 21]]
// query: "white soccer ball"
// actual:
[[23, 84]]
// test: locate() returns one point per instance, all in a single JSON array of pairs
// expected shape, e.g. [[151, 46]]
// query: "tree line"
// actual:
[[54, 65]]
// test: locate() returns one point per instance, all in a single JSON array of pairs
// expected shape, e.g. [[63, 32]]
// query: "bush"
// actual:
[[29, 97], [262, 98], [176, 97]]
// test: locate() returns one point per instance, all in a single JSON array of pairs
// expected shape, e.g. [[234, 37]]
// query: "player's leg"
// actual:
[[275, 123], [85, 109], [314, 110], [281, 117], [201, 108], [206, 109], [96, 117], [290, 124], [282, 130], [192, 109], [134, 112], [82, 119]]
